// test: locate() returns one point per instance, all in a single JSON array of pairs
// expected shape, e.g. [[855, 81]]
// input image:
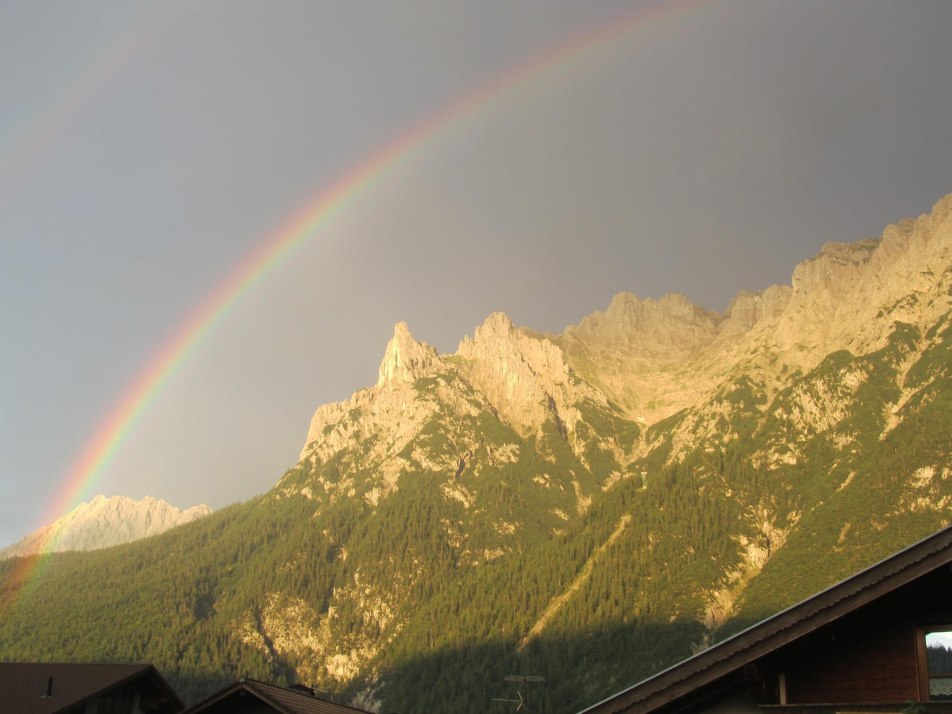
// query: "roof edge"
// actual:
[[903, 560]]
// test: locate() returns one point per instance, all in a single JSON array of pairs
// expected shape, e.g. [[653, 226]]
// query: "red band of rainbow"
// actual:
[[113, 432]]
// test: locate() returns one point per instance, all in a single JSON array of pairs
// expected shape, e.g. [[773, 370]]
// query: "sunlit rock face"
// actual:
[[405, 359], [645, 359], [525, 376], [104, 522]]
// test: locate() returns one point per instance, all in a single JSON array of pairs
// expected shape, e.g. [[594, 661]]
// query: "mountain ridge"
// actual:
[[681, 348], [104, 522], [591, 506]]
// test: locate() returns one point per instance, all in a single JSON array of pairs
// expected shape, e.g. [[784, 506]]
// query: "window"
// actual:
[[935, 663]]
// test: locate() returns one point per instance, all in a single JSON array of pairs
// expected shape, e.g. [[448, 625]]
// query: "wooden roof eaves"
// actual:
[[157, 677], [241, 684], [213, 698], [261, 691], [309, 701], [262, 695], [144, 669], [786, 626]]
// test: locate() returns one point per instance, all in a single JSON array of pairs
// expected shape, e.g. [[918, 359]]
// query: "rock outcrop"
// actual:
[[524, 376], [653, 358], [405, 359]]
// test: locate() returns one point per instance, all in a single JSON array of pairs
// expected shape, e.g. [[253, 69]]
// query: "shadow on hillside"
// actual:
[[579, 670]]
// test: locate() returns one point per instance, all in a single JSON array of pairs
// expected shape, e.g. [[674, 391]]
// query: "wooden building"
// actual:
[[70, 688], [247, 696], [879, 641]]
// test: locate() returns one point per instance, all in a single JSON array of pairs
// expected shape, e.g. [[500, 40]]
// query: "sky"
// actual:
[[527, 156]]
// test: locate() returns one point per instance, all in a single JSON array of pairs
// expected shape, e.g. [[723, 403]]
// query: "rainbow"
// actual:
[[327, 203]]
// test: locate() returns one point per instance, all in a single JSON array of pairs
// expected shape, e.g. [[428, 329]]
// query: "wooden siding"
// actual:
[[867, 665], [872, 656]]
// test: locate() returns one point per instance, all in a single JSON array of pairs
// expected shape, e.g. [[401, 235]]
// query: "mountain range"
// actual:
[[587, 507], [104, 522]]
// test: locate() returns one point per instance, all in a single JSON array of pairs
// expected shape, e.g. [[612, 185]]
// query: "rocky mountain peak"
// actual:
[[383, 419], [850, 295], [103, 522], [496, 327], [524, 375], [511, 354], [670, 327], [508, 348], [647, 358], [405, 359], [836, 264]]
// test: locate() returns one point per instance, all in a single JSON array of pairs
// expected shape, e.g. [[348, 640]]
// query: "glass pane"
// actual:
[[939, 652], [940, 689]]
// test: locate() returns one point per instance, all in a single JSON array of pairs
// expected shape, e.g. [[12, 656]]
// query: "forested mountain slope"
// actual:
[[588, 507]]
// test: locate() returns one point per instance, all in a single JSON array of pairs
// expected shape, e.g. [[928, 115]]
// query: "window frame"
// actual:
[[922, 660]]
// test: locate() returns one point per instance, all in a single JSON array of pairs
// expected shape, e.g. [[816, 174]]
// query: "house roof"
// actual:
[[744, 649], [284, 701], [24, 685]]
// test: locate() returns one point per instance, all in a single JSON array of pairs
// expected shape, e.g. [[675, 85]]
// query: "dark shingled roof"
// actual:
[[24, 685], [284, 701], [768, 636]]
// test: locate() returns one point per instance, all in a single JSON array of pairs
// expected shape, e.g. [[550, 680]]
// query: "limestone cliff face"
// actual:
[[391, 407], [668, 329], [327, 650], [377, 431], [849, 295], [405, 359], [836, 267], [657, 357], [513, 377], [747, 310], [105, 522], [649, 358], [850, 298], [524, 376], [638, 352]]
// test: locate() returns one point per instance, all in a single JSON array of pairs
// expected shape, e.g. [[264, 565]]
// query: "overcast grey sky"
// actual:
[[147, 147]]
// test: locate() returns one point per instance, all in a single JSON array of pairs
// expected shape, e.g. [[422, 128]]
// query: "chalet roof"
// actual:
[[770, 635], [284, 701], [24, 685]]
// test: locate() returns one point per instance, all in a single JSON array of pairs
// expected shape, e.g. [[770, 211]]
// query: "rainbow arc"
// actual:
[[302, 227]]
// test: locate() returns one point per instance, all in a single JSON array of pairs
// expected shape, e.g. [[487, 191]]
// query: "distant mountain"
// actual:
[[589, 507], [104, 522]]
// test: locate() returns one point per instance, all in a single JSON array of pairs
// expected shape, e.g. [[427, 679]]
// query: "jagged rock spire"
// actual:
[[405, 359]]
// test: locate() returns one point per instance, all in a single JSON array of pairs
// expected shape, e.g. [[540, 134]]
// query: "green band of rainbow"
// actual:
[[124, 417]]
